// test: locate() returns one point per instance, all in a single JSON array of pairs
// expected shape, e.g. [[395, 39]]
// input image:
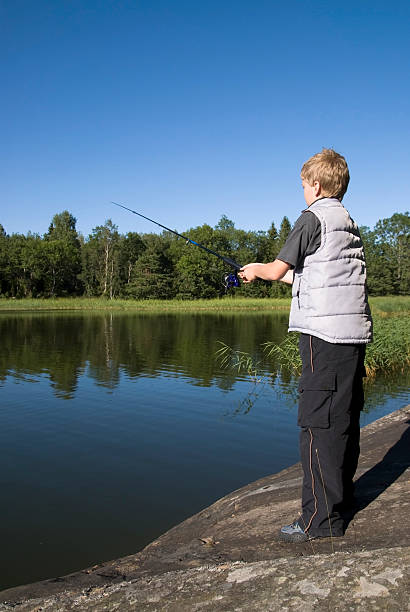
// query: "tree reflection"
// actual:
[[105, 346]]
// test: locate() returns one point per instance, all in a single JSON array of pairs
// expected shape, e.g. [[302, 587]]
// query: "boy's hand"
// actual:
[[249, 272]]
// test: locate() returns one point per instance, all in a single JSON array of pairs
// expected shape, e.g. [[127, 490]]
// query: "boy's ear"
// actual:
[[317, 187]]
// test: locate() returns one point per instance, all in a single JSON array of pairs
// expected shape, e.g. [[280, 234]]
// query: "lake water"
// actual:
[[115, 427]]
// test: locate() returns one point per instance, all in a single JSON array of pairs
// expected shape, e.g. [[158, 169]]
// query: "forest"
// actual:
[[64, 263]]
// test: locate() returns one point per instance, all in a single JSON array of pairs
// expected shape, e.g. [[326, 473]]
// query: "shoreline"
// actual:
[[226, 304], [381, 305]]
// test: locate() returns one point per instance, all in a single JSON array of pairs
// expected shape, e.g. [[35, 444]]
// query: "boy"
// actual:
[[323, 259]]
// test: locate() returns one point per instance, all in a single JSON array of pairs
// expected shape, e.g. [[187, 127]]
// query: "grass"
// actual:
[[381, 306], [388, 305], [390, 349], [225, 304]]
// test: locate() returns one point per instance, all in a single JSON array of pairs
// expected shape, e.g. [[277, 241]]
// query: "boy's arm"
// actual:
[[303, 240], [276, 270], [288, 278]]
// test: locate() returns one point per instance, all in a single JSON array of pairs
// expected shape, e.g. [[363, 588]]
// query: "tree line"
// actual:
[[108, 264]]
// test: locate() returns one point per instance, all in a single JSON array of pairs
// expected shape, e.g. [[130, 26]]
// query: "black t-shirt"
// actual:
[[303, 240]]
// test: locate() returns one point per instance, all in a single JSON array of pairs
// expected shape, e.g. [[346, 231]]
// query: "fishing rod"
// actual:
[[230, 280]]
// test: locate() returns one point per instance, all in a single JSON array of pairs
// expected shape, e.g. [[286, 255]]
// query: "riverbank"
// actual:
[[228, 557], [225, 304], [384, 306]]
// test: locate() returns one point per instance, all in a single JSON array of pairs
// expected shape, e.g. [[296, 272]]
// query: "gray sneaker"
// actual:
[[293, 533]]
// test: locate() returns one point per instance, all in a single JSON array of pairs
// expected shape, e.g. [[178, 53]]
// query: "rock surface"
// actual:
[[228, 557]]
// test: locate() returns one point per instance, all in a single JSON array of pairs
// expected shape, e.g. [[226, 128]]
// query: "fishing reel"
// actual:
[[231, 280]]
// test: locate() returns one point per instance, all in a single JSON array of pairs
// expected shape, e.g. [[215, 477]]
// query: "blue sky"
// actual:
[[186, 110]]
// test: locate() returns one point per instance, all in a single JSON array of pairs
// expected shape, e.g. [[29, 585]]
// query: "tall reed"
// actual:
[[390, 350]]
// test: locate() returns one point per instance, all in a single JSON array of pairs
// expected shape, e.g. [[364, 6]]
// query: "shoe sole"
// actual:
[[294, 537]]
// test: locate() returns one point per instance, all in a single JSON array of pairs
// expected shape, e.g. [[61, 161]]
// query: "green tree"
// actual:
[[240, 245], [225, 225], [63, 227], [380, 275], [393, 236], [100, 261], [198, 274], [62, 250], [4, 281], [279, 289], [272, 243], [151, 275], [226, 235], [11, 260], [61, 267], [150, 278], [284, 231], [26, 265], [131, 247]]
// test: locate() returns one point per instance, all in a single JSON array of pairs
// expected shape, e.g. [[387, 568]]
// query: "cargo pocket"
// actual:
[[315, 399]]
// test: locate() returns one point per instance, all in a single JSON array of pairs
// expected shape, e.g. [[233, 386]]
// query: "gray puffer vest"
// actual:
[[329, 296]]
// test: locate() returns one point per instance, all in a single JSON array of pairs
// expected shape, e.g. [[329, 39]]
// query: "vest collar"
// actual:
[[326, 202], [329, 202]]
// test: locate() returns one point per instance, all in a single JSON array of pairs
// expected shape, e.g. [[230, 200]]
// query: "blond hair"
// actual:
[[330, 169]]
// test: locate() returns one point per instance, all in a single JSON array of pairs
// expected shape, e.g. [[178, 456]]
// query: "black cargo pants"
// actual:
[[330, 401]]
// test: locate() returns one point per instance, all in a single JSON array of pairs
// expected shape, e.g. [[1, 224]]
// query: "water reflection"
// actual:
[[65, 346]]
